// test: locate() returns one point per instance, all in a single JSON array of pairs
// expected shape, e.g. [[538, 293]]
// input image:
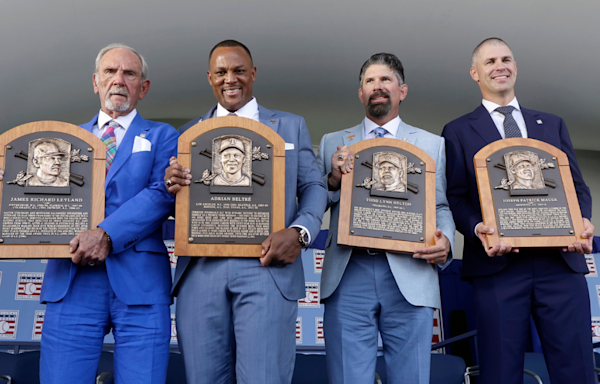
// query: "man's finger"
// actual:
[[74, 243], [265, 261]]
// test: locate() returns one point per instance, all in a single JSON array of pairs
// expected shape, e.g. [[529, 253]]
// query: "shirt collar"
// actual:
[[391, 126], [124, 121], [491, 106], [248, 111]]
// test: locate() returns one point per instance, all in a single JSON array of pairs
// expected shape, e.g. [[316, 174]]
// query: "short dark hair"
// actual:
[[230, 44], [489, 40], [388, 59]]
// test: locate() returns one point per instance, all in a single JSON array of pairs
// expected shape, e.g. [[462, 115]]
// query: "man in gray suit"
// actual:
[[367, 291], [236, 316]]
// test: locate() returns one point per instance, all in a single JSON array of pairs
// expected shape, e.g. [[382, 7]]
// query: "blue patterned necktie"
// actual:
[[380, 132], [110, 140], [511, 129]]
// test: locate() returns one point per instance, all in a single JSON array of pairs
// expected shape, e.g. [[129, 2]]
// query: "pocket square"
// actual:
[[141, 145], [289, 146]]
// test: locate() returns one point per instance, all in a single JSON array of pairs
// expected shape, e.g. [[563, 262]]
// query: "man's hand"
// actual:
[[1, 174], [342, 162], [583, 247], [281, 247], [90, 247], [435, 254], [177, 176], [498, 249]]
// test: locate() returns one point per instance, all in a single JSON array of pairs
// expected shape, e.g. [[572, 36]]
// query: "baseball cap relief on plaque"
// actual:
[[53, 188], [236, 198]]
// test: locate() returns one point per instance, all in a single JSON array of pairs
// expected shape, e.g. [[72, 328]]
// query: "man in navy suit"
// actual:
[[511, 285], [119, 276], [237, 316]]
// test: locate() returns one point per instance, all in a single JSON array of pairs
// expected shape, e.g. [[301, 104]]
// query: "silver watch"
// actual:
[[302, 236]]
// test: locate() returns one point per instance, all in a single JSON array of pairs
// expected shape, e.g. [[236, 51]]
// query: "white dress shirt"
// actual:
[[102, 125], [499, 118], [391, 127]]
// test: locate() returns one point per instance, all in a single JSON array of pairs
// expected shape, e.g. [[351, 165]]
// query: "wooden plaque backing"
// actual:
[[488, 209], [348, 185], [53, 251], [182, 211]]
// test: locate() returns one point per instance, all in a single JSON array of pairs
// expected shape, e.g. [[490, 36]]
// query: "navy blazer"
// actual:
[[305, 197], [465, 136], [136, 205]]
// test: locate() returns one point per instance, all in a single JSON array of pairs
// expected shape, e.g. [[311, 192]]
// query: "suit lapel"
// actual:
[[207, 115], [138, 125], [406, 133], [353, 135], [535, 126], [482, 123], [268, 118], [89, 126]]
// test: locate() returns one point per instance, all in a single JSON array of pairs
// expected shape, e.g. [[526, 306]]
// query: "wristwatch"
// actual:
[[302, 237]]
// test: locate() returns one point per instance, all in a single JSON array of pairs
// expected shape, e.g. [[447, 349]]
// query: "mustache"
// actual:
[[117, 90], [379, 93]]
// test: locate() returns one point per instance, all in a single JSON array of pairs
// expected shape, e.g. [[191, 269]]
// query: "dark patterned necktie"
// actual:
[[511, 129], [380, 132], [110, 140]]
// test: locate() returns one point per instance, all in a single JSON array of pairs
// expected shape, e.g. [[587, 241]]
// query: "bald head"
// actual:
[[486, 42]]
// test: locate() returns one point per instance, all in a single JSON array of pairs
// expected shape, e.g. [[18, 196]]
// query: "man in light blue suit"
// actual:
[[119, 276], [237, 316], [369, 291]]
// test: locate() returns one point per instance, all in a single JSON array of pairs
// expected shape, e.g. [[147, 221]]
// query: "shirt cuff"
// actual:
[[306, 229], [475, 229]]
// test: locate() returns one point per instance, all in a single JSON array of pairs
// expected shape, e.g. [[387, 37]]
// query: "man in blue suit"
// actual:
[[368, 291], [119, 276], [511, 285], [237, 316]]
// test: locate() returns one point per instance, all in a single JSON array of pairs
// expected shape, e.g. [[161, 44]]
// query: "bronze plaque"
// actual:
[[230, 201], [47, 194], [388, 200], [525, 193]]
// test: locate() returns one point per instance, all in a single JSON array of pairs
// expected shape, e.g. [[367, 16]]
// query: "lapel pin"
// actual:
[[351, 137], [272, 121], [404, 138], [539, 121], [143, 135]]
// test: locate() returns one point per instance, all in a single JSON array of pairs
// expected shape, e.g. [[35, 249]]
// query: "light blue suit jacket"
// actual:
[[136, 205], [417, 280], [305, 196]]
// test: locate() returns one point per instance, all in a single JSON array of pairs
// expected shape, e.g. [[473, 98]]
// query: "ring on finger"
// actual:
[[168, 182], [340, 157]]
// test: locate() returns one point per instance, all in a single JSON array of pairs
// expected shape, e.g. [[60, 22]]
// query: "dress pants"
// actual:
[[368, 300], [535, 283], [74, 330], [233, 322]]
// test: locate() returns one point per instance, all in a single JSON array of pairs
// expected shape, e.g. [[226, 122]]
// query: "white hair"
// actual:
[[104, 50]]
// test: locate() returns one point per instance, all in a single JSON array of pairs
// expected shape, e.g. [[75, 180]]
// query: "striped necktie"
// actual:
[[380, 132], [511, 129], [111, 143]]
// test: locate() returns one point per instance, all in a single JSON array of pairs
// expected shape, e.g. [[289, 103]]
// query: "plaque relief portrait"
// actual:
[[232, 161], [48, 163], [389, 172], [523, 170]]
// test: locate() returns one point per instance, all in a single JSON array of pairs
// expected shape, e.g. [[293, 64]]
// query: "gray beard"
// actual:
[[116, 107]]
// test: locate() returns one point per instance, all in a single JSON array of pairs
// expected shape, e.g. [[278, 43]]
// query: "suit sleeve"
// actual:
[[466, 213], [444, 219], [311, 190], [583, 192], [145, 213]]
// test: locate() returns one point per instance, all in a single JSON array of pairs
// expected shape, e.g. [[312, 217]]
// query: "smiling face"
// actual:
[[524, 170], [231, 76], [232, 160], [495, 70], [381, 93], [119, 82]]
